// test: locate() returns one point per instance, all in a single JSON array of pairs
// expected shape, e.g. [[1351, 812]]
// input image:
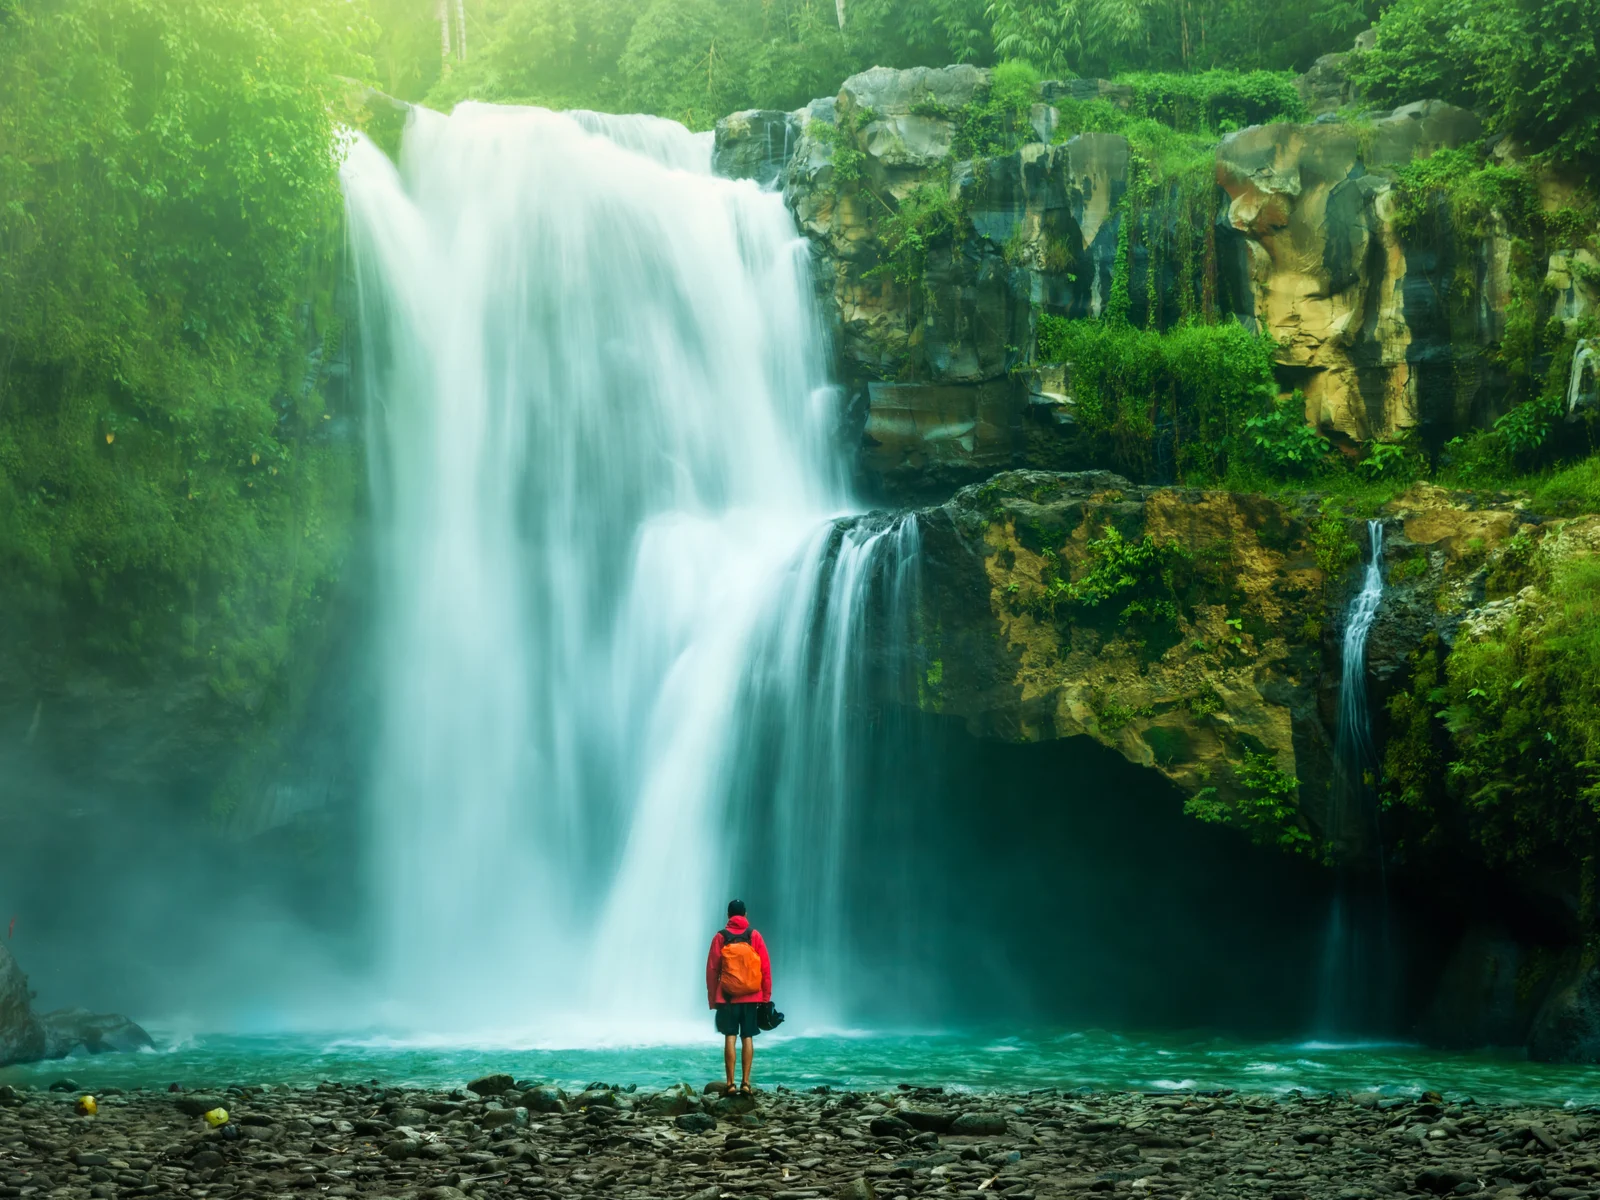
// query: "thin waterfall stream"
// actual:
[[610, 504], [1353, 974]]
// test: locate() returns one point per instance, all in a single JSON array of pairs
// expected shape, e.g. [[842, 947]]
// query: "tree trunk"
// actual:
[[461, 30], [444, 32], [839, 7]]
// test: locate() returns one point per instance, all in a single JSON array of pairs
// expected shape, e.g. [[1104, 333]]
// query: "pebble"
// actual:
[[502, 1139]]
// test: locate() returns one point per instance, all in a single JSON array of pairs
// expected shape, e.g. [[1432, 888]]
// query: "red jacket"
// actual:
[[714, 994]]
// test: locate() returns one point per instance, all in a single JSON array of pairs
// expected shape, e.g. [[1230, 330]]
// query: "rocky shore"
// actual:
[[504, 1138]]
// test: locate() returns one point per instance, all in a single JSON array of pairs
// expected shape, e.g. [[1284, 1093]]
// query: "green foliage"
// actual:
[[929, 213], [995, 122], [1336, 551], [1215, 100], [1388, 460], [692, 60], [1141, 577], [1201, 382], [1533, 64], [1267, 809], [168, 169], [1281, 443], [1517, 713], [1574, 490], [1103, 37]]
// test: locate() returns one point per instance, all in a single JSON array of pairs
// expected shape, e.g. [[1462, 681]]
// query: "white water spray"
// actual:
[[605, 483], [1585, 366]]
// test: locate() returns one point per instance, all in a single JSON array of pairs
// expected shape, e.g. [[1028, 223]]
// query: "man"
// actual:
[[738, 981]]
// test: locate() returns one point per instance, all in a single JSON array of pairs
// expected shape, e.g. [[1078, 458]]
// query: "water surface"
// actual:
[[1091, 1060]]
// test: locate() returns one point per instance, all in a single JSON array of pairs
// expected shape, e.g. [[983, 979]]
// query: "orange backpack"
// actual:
[[741, 966]]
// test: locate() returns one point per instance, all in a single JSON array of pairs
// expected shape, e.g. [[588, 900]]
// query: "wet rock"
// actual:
[[673, 1103], [890, 1127], [492, 1085], [926, 1120], [695, 1122], [21, 1035], [544, 1099], [596, 1097], [978, 1124], [71, 1030], [755, 145], [856, 1189], [1440, 1180], [196, 1104], [733, 1105]]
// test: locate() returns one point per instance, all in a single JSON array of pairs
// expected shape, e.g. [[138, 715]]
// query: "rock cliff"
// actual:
[[941, 230], [29, 1037]]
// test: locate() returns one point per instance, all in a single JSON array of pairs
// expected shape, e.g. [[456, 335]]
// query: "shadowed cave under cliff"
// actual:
[[987, 884]]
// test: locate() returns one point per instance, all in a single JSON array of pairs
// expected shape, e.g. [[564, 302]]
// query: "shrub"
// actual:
[[1196, 385], [1282, 444]]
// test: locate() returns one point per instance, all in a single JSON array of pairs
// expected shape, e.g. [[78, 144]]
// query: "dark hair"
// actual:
[[736, 908]]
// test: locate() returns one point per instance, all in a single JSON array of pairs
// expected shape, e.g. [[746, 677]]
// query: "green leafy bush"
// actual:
[[1533, 64], [1282, 444], [1267, 811], [1215, 100], [1203, 382]]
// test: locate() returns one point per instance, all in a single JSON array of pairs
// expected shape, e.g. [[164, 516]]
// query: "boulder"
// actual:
[[979, 1124], [71, 1030], [196, 1104], [926, 1121], [1567, 1027], [734, 1104], [695, 1122], [492, 1085], [544, 1099], [22, 1037]]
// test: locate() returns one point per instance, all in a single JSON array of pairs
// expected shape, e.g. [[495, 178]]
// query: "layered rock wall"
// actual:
[[1385, 327]]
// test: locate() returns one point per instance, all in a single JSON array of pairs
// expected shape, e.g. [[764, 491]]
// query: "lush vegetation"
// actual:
[[168, 169], [1176, 404], [1533, 64], [1193, 62], [1495, 746]]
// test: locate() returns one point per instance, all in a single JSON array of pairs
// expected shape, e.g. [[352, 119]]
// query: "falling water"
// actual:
[[609, 499], [1355, 942], [1585, 365]]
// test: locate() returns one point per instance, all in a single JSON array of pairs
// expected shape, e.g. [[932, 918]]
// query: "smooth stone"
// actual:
[[492, 1085]]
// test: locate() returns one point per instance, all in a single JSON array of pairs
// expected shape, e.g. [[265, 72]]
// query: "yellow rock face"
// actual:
[[1325, 264]]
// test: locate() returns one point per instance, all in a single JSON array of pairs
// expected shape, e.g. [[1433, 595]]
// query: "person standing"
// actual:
[[738, 982]]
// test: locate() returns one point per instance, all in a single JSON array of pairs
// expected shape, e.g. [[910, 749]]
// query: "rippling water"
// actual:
[[1090, 1060]]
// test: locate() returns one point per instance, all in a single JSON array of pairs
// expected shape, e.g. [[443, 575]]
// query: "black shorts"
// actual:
[[737, 1020]]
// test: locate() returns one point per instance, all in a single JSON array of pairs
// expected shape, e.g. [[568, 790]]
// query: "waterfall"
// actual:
[[1353, 741], [1584, 364], [611, 543], [1354, 968]]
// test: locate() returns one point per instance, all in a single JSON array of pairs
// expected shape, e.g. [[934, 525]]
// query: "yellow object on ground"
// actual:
[[217, 1118], [86, 1107]]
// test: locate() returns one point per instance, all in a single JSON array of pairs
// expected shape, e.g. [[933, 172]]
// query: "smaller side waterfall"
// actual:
[[1353, 743], [1585, 366], [1355, 971]]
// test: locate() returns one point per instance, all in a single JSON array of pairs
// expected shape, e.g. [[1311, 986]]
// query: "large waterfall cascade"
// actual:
[[609, 498], [1354, 974]]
